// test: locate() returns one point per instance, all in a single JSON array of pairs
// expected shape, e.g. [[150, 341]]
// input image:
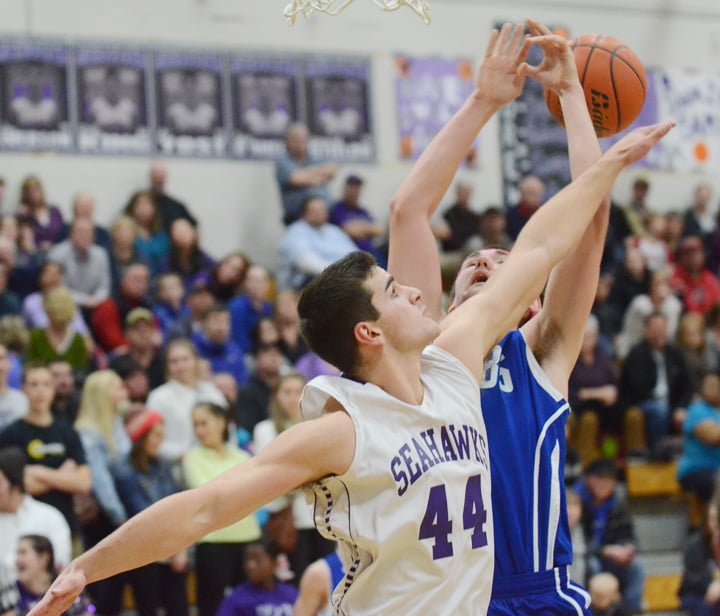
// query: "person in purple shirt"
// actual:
[[354, 219], [46, 220], [263, 595]]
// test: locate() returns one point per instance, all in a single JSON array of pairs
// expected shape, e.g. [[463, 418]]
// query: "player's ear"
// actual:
[[368, 333]]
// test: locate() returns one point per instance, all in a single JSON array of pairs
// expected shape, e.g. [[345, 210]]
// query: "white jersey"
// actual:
[[412, 513]]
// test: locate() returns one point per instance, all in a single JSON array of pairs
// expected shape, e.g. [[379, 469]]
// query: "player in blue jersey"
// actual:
[[525, 386], [316, 586]]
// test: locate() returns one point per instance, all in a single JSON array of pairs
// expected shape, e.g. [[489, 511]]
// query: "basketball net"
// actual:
[[334, 7]]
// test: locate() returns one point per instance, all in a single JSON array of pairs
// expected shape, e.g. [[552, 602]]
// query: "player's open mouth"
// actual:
[[480, 278]]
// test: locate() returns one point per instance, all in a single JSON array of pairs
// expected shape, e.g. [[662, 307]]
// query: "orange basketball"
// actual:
[[613, 79]]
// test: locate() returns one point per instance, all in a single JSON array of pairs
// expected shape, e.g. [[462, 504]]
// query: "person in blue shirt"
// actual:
[[214, 344], [700, 460], [263, 593]]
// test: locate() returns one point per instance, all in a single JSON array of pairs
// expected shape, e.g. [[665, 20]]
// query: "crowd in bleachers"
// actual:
[[133, 364]]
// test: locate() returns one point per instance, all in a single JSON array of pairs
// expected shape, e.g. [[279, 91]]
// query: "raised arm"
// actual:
[[309, 451], [555, 334], [470, 331], [413, 258]]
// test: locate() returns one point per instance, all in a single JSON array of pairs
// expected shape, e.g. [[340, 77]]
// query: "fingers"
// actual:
[[516, 41], [508, 42], [491, 43], [501, 41], [536, 28], [522, 53]]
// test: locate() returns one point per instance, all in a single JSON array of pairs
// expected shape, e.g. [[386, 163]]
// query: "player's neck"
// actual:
[[398, 375]]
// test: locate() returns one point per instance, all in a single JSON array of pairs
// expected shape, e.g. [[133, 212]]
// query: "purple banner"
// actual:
[[189, 102], [265, 104], [112, 100], [428, 92], [338, 110], [34, 105]]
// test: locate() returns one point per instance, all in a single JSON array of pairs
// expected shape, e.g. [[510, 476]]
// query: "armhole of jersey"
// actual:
[[435, 353], [538, 374]]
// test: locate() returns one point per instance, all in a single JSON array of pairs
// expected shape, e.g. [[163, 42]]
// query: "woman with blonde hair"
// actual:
[[59, 341], [105, 441], [176, 398]]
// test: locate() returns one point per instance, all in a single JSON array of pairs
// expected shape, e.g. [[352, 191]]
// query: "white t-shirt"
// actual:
[[412, 514]]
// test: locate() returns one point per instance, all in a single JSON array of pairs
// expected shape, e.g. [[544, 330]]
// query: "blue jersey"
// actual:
[[337, 573], [525, 418]]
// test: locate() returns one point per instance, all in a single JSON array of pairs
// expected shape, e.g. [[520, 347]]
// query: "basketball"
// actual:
[[614, 81]]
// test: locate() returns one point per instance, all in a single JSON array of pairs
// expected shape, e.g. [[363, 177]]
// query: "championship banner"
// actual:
[[531, 141], [112, 97], [428, 92], [337, 109], [265, 104], [189, 102], [34, 106]]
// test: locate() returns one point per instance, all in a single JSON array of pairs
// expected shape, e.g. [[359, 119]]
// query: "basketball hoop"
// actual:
[[334, 7]]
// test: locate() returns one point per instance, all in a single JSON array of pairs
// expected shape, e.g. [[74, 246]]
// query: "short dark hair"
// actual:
[[214, 308], [330, 306], [12, 465]]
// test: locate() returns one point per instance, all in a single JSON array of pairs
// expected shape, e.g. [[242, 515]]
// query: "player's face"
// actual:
[[404, 319], [475, 271]]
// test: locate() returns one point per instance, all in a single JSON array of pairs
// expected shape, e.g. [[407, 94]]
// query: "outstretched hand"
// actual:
[[557, 71], [636, 144], [61, 595], [501, 75]]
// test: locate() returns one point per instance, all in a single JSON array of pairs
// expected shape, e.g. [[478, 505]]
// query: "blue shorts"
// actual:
[[545, 593]]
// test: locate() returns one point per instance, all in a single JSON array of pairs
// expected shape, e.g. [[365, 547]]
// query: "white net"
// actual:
[[333, 7]]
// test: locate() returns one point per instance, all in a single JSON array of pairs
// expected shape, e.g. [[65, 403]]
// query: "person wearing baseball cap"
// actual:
[[696, 285]]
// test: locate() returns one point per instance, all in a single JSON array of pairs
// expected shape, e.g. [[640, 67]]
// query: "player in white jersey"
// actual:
[[527, 373], [356, 316]]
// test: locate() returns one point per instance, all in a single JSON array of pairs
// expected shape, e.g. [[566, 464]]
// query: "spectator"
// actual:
[[287, 320], [532, 191], [86, 266], [59, 469], [262, 594], [169, 306], [105, 441], [605, 597], [170, 209], [609, 531], [16, 338], [493, 225], [9, 301], [219, 556], [199, 299], [176, 398], [698, 219], [696, 347], [228, 386], [226, 279], [215, 345], [697, 286], [151, 241], [631, 279], [284, 410], [143, 478], [656, 379], [134, 377], [13, 403], [58, 341], [250, 306], [143, 345], [653, 246], [84, 208], [254, 398], [593, 389], [26, 260], [354, 219], [673, 231], [36, 571], [309, 245], [123, 253], [8, 591], [311, 365], [462, 221], [21, 514], [699, 592], [109, 318], [299, 175], [658, 299], [46, 220], [33, 308], [186, 258], [636, 210], [66, 402], [700, 459]]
